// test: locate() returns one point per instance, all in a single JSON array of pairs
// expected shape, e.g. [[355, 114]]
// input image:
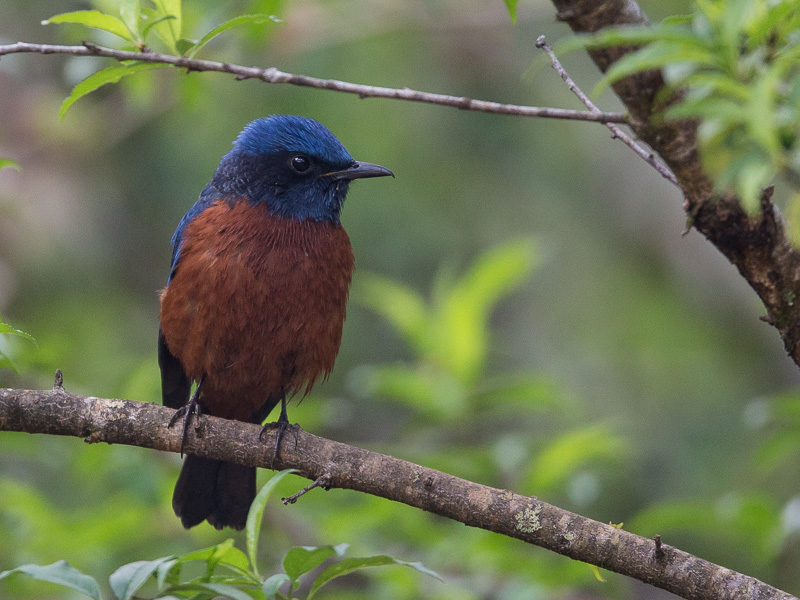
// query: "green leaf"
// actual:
[[151, 14], [570, 451], [459, 327], [7, 162], [169, 30], [219, 589], [127, 580], [425, 387], [62, 574], [511, 6], [712, 107], [5, 363], [166, 574], [530, 391], [7, 329], [229, 24], [301, 559], [348, 565], [94, 19], [224, 553], [129, 12], [273, 584], [752, 178], [654, 56], [761, 122], [400, 305], [625, 36], [253, 526], [97, 80], [185, 45]]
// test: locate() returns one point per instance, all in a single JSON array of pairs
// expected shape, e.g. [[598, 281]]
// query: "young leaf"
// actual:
[[273, 584], [62, 574], [151, 14], [183, 45], [301, 559], [656, 55], [460, 326], [348, 565], [129, 12], [218, 589], [253, 526], [511, 5], [224, 553], [5, 328], [236, 21], [127, 580], [7, 162], [97, 80], [166, 574], [94, 19], [570, 451], [5, 363], [169, 30], [429, 390], [403, 307]]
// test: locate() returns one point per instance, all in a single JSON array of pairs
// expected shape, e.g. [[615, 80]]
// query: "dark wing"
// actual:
[[175, 385]]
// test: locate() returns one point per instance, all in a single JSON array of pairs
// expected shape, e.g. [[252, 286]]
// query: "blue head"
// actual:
[[294, 165]]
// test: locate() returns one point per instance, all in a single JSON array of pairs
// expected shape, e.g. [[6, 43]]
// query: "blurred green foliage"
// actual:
[[227, 573], [736, 64], [134, 24], [7, 330], [572, 344]]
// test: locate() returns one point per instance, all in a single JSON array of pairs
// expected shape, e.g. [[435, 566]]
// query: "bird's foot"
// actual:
[[282, 424], [185, 412]]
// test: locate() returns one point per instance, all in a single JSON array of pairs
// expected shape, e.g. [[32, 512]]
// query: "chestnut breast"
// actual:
[[256, 304]]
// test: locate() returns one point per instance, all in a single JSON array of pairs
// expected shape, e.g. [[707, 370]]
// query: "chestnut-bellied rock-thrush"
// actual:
[[256, 298]]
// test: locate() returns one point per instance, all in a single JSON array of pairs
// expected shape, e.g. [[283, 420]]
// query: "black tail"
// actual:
[[220, 492]]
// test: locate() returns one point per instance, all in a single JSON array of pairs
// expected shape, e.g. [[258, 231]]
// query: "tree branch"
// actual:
[[650, 158], [274, 75], [757, 246], [528, 519]]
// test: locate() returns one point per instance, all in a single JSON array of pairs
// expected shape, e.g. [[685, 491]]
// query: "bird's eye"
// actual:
[[300, 163]]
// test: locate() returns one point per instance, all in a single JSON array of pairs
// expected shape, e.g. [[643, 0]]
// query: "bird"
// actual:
[[256, 297]]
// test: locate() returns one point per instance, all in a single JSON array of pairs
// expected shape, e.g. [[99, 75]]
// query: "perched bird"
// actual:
[[255, 302]]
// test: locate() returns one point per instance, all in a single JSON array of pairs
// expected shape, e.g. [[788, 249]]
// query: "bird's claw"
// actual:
[[281, 425], [185, 412]]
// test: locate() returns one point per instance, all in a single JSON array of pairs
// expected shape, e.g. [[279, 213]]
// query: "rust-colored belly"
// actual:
[[256, 305]]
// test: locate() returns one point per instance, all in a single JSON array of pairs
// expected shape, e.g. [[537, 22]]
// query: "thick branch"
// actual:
[[273, 75], [758, 247], [528, 519]]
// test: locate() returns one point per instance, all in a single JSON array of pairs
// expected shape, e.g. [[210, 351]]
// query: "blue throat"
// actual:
[[264, 179]]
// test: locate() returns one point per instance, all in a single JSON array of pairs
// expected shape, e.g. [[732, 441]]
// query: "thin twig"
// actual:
[[323, 481], [648, 156], [274, 75]]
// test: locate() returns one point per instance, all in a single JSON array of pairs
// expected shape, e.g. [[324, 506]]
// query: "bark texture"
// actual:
[[501, 511]]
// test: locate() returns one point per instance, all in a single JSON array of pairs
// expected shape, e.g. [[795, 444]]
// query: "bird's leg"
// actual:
[[282, 424], [186, 411]]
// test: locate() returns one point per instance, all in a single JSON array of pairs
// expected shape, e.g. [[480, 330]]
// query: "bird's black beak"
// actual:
[[360, 170]]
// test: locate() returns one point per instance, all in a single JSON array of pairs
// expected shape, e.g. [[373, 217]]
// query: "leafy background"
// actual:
[[525, 312]]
